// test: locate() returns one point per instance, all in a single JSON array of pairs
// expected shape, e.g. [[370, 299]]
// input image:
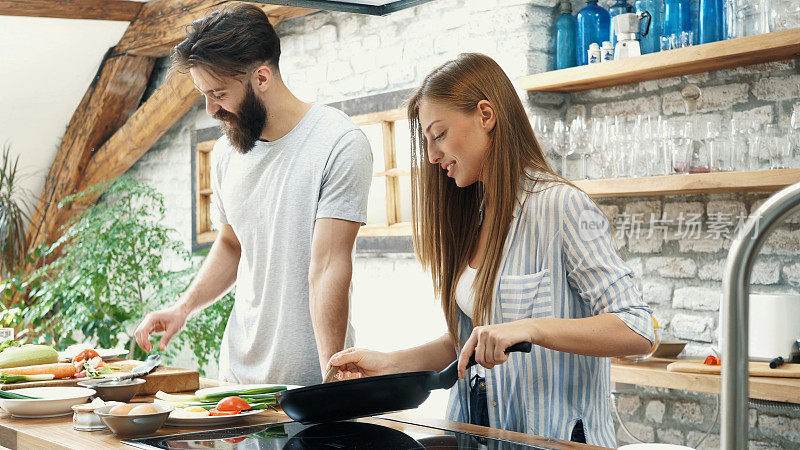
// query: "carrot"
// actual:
[[58, 370]]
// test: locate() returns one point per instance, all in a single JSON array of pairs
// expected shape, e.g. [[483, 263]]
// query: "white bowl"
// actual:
[[54, 401]]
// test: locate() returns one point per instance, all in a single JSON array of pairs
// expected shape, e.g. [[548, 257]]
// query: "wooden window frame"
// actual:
[[390, 173], [202, 143]]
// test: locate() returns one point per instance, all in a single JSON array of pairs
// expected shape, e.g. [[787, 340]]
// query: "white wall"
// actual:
[[46, 65]]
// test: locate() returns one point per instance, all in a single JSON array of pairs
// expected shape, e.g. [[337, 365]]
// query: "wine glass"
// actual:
[[579, 141], [539, 126], [755, 154], [559, 140], [794, 128]]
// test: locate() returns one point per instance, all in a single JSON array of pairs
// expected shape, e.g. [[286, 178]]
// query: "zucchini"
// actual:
[[27, 355]]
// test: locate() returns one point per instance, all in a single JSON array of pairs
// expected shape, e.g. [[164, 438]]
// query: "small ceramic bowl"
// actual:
[[122, 391], [139, 425], [84, 418], [669, 349]]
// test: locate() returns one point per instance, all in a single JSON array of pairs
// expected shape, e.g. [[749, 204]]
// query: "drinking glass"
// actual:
[[668, 42], [755, 156], [752, 17], [604, 145], [794, 128], [559, 139], [708, 131], [777, 146], [679, 140], [720, 153], [642, 156], [685, 39], [579, 141]]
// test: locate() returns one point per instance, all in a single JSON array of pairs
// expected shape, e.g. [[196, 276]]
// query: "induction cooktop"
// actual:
[[355, 435]]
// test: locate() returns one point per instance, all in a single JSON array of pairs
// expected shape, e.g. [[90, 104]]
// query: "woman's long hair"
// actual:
[[446, 217]]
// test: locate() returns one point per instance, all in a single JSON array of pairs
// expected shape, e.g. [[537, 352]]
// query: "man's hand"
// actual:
[[168, 321], [358, 363]]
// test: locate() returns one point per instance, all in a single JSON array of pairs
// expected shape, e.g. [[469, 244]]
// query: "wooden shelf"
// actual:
[[699, 183], [745, 51], [654, 373]]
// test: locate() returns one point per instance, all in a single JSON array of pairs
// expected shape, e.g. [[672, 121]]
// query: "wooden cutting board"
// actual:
[[167, 379], [757, 369]]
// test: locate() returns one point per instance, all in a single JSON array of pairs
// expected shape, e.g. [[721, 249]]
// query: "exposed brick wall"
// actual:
[[330, 57]]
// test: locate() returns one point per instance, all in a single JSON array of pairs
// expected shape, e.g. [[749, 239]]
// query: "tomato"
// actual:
[[235, 440], [216, 412], [237, 404], [711, 360], [84, 355]]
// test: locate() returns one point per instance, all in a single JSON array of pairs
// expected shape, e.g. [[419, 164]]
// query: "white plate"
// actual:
[[240, 387], [55, 401], [207, 421]]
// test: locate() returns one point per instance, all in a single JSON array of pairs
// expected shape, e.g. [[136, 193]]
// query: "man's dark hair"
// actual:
[[229, 42]]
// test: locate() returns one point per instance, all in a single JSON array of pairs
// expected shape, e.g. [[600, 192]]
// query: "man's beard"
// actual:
[[245, 127]]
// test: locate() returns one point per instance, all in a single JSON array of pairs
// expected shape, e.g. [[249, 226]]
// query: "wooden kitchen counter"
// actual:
[[653, 372], [58, 433]]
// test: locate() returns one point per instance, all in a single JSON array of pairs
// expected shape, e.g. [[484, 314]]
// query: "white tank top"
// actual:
[[465, 299]]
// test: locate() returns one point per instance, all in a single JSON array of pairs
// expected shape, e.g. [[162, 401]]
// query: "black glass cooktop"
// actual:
[[337, 435]]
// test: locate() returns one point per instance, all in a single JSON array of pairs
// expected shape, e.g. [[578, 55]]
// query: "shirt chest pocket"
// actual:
[[525, 296]]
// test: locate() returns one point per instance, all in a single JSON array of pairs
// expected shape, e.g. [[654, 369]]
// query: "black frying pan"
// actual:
[[364, 397]]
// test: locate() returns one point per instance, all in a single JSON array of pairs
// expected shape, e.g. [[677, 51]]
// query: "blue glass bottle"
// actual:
[[566, 34], [620, 7], [651, 42], [711, 19], [677, 17], [593, 26]]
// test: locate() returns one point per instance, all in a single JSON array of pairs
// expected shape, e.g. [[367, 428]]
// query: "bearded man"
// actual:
[[290, 182]]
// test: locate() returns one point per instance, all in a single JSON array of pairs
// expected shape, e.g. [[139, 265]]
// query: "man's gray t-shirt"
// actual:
[[271, 197]]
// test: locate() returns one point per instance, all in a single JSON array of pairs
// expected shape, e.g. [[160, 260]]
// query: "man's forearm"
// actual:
[[329, 304], [215, 278]]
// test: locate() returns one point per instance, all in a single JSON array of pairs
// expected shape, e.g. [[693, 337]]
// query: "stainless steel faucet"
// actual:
[[736, 284]]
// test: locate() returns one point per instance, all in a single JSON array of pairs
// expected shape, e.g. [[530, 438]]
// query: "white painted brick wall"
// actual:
[[697, 298], [671, 267]]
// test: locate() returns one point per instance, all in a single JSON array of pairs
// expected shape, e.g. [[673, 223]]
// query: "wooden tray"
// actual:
[[167, 379], [757, 369]]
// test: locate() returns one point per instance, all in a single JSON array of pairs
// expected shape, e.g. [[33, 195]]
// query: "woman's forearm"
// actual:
[[434, 355], [601, 335]]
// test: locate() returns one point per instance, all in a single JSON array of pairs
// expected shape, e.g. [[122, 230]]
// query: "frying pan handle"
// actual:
[[523, 347], [448, 377]]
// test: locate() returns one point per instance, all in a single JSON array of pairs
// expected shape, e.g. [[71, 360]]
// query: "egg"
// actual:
[[196, 409], [142, 409], [189, 413], [121, 410]]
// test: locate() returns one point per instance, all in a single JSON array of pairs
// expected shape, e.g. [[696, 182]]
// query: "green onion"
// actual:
[[6, 378], [242, 393], [15, 396]]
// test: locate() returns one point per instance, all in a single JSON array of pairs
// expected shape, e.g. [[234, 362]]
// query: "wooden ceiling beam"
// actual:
[[121, 10], [111, 99], [168, 103], [162, 23]]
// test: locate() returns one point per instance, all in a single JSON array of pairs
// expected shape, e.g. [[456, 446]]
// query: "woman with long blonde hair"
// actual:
[[517, 254]]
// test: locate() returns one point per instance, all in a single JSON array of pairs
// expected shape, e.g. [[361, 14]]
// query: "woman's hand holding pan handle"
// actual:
[[489, 343]]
